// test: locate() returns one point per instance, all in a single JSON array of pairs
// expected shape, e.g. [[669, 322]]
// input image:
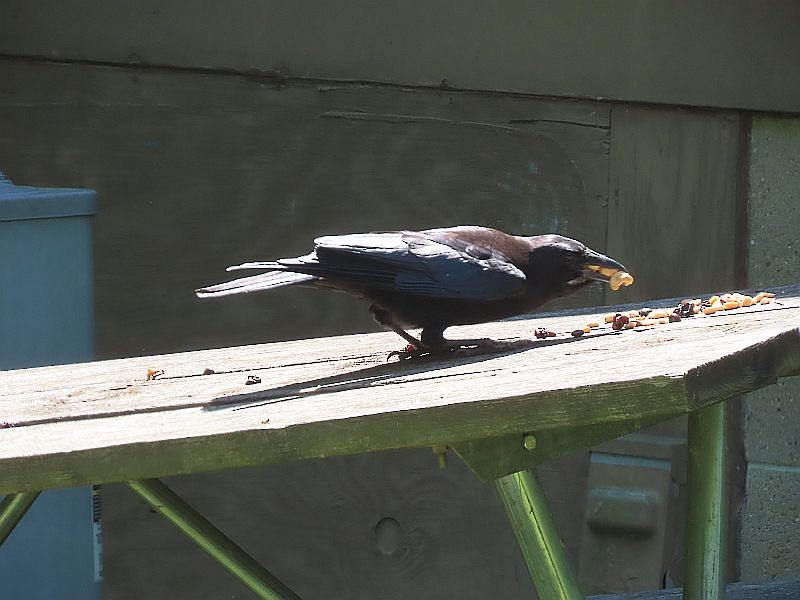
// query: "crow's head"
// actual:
[[561, 261]]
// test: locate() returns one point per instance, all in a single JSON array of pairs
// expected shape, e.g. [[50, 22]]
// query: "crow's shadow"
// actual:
[[376, 375]]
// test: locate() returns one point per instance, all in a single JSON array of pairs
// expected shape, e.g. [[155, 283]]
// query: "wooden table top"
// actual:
[[103, 421]]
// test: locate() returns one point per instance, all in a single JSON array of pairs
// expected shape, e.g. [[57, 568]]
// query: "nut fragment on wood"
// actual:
[[689, 307], [619, 321], [153, 373], [542, 333]]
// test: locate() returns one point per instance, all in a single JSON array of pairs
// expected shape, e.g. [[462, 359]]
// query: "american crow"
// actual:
[[436, 278]]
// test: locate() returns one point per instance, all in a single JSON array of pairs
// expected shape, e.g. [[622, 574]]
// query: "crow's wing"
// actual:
[[410, 262]]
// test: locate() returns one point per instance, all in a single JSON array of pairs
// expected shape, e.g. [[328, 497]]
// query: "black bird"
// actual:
[[436, 278]]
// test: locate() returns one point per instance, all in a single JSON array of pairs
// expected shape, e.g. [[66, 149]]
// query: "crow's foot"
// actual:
[[410, 351]]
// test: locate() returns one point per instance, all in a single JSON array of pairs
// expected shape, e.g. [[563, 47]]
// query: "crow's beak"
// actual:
[[599, 267]]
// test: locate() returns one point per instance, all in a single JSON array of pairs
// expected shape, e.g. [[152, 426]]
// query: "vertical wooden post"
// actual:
[[542, 548], [243, 566], [12, 509], [707, 513]]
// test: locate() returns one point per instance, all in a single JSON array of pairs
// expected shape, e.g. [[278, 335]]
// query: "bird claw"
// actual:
[[410, 351]]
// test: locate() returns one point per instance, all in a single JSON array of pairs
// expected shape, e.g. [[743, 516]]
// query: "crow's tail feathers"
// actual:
[[254, 283]]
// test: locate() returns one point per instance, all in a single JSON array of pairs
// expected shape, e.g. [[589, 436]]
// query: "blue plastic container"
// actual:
[[47, 318]]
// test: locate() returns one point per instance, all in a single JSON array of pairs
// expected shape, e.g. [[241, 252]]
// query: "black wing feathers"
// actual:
[[412, 263]]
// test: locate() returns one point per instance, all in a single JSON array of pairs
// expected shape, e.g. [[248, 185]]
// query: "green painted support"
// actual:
[[542, 548], [12, 509], [707, 514], [212, 540]]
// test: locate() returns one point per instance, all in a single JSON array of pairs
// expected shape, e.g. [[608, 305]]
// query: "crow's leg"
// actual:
[[384, 317]]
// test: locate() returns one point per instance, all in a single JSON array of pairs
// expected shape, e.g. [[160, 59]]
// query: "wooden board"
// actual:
[[100, 422], [732, 54], [382, 525], [673, 198]]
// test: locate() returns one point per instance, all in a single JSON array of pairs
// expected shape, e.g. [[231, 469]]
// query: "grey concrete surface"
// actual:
[[770, 526]]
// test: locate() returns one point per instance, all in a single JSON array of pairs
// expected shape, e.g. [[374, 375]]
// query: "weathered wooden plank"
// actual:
[[495, 457], [118, 428], [110, 388], [672, 187], [686, 53]]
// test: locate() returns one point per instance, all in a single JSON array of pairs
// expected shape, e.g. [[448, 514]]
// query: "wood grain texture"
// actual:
[[660, 52], [100, 422], [383, 525], [673, 188]]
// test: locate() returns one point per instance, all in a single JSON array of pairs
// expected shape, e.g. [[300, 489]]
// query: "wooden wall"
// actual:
[[726, 53], [196, 171]]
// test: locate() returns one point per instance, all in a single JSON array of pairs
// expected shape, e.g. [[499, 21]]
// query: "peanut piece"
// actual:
[[619, 279]]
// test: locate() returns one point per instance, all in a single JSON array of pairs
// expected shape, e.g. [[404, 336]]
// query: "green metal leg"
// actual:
[[536, 533], [212, 540], [12, 509], [707, 513]]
